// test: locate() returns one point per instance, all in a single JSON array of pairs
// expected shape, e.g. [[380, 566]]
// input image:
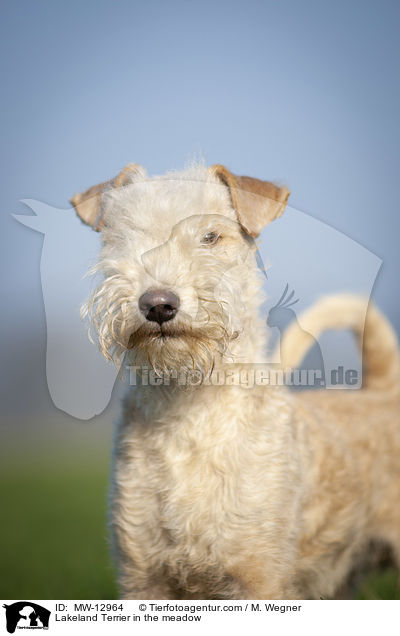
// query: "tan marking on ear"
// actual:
[[256, 202], [88, 204], [126, 175]]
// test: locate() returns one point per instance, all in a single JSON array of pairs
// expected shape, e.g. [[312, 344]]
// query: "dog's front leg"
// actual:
[[257, 578], [139, 573], [134, 584], [136, 553]]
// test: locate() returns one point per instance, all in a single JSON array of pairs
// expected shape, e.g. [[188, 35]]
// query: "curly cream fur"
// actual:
[[223, 491]]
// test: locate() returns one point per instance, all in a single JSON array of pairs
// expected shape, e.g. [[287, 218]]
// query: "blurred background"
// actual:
[[301, 92]]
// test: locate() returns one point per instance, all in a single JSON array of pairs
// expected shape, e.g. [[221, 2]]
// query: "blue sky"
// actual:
[[306, 92]]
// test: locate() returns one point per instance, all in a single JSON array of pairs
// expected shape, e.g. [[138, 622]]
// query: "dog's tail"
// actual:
[[375, 335]]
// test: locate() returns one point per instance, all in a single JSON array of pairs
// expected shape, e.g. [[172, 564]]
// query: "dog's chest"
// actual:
[[199, 511], [197, 486], [196, 469]]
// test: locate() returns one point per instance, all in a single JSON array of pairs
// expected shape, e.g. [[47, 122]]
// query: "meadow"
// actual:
[[53, 534]]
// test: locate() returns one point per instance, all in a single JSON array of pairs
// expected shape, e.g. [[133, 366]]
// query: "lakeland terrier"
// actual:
[[218, 490]]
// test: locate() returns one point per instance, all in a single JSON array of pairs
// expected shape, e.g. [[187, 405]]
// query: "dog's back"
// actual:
[[364, 460]]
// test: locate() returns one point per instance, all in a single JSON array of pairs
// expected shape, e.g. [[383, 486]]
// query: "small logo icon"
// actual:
[[281, 316], [26, 615]]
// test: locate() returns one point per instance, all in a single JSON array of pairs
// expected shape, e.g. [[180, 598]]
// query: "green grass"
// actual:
[[380, 585], [53, 536]]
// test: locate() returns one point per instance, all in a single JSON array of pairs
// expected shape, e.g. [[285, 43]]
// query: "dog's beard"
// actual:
[[179, 348], [180, 345]]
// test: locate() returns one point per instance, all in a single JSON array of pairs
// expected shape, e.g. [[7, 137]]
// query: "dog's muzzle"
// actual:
[[159, 305]]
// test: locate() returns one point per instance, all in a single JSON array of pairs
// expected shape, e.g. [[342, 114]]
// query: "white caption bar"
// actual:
[[200, 617]]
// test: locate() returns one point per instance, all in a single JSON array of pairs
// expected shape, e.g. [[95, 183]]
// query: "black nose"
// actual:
[[159, 305]]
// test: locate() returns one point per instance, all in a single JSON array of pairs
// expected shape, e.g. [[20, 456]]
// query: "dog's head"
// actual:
[[180, 280]]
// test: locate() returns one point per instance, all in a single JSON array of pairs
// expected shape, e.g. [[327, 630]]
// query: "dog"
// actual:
[[220, 491]]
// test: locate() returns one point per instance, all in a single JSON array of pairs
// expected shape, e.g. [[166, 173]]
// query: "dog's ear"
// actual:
[[88, 204], [256, 202]]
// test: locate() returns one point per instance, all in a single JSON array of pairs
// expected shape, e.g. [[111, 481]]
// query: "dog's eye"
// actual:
[[210, 238]]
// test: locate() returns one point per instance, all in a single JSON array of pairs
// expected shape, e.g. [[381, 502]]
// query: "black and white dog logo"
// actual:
[[26, 615]]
